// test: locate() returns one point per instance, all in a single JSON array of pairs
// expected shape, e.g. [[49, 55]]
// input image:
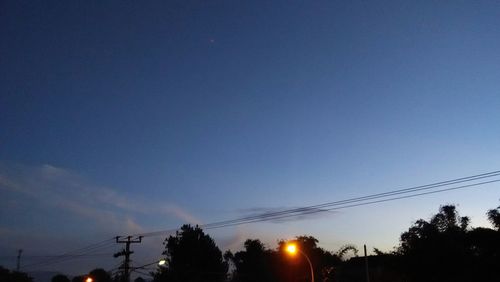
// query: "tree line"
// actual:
[[442, 248]]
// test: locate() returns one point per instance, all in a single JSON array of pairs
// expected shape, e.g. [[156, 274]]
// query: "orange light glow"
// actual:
[[89, 279], [291, 249]]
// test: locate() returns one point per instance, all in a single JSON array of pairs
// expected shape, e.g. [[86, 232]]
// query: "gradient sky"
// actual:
[[124, 117]]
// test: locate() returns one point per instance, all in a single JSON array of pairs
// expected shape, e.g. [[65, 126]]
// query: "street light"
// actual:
[[162, 262], [89, 279], [292, 249]]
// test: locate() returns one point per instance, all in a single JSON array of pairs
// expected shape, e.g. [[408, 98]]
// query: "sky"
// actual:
[[122, 117]]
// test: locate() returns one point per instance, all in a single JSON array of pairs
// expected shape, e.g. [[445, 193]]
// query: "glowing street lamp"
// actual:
[[292, 249], [162, 262], [89, 279]]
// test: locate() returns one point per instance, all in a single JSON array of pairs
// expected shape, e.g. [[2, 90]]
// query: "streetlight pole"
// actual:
[[291, 248], [310, 265]]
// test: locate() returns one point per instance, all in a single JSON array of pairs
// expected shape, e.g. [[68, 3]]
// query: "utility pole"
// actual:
[[19, 252], [126, 253], [366, 266]]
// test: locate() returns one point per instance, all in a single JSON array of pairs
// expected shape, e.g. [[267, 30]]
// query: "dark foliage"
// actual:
[[13, 276], [484, 245], [445, 249], [382, 268], [494, 217], [100, 275], [255, 263], [192, 256], [324, 263], [78, 278], [60, 278]]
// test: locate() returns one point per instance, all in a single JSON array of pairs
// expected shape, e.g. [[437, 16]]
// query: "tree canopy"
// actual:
[[255, 263], [494, 217], [60, 278], [442, 248], [445, 248], [192, 256], [13, 276], [100, 275]]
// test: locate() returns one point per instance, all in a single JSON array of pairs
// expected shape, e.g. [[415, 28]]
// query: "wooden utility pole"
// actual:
[[126, 253]]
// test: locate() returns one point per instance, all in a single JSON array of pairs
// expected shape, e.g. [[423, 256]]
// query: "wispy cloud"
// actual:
[[180, 213], [69, 192]]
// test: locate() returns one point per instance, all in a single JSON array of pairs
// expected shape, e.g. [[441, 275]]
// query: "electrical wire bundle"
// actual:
[[416, 191]]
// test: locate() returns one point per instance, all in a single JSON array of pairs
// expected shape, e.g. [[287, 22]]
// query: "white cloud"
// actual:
[[67, 191], [180, 213]]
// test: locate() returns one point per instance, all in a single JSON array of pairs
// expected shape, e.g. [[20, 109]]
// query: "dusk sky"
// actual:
[[125, 117]]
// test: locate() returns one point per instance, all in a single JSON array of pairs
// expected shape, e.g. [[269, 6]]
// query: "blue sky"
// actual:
[[123, 117]]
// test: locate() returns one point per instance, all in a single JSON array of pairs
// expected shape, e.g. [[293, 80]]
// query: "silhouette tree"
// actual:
[[192, 256], [255, 263], [442, 248], [437, 250], [448, 220], [60, 278], [494, 217], [323, 262], [13, 276], [78, 278], [484, 244], [100, 275], [378, 252], [345, 249]]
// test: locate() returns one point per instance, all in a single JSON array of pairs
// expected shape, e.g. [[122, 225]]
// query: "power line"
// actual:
[[322, 207], [352, 202], [359, 204], [77, 253], [312, 209], [143, 273], [55, 256]]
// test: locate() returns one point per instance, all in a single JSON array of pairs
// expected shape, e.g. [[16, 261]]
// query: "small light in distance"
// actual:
[[89, 279], [162, 262]]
